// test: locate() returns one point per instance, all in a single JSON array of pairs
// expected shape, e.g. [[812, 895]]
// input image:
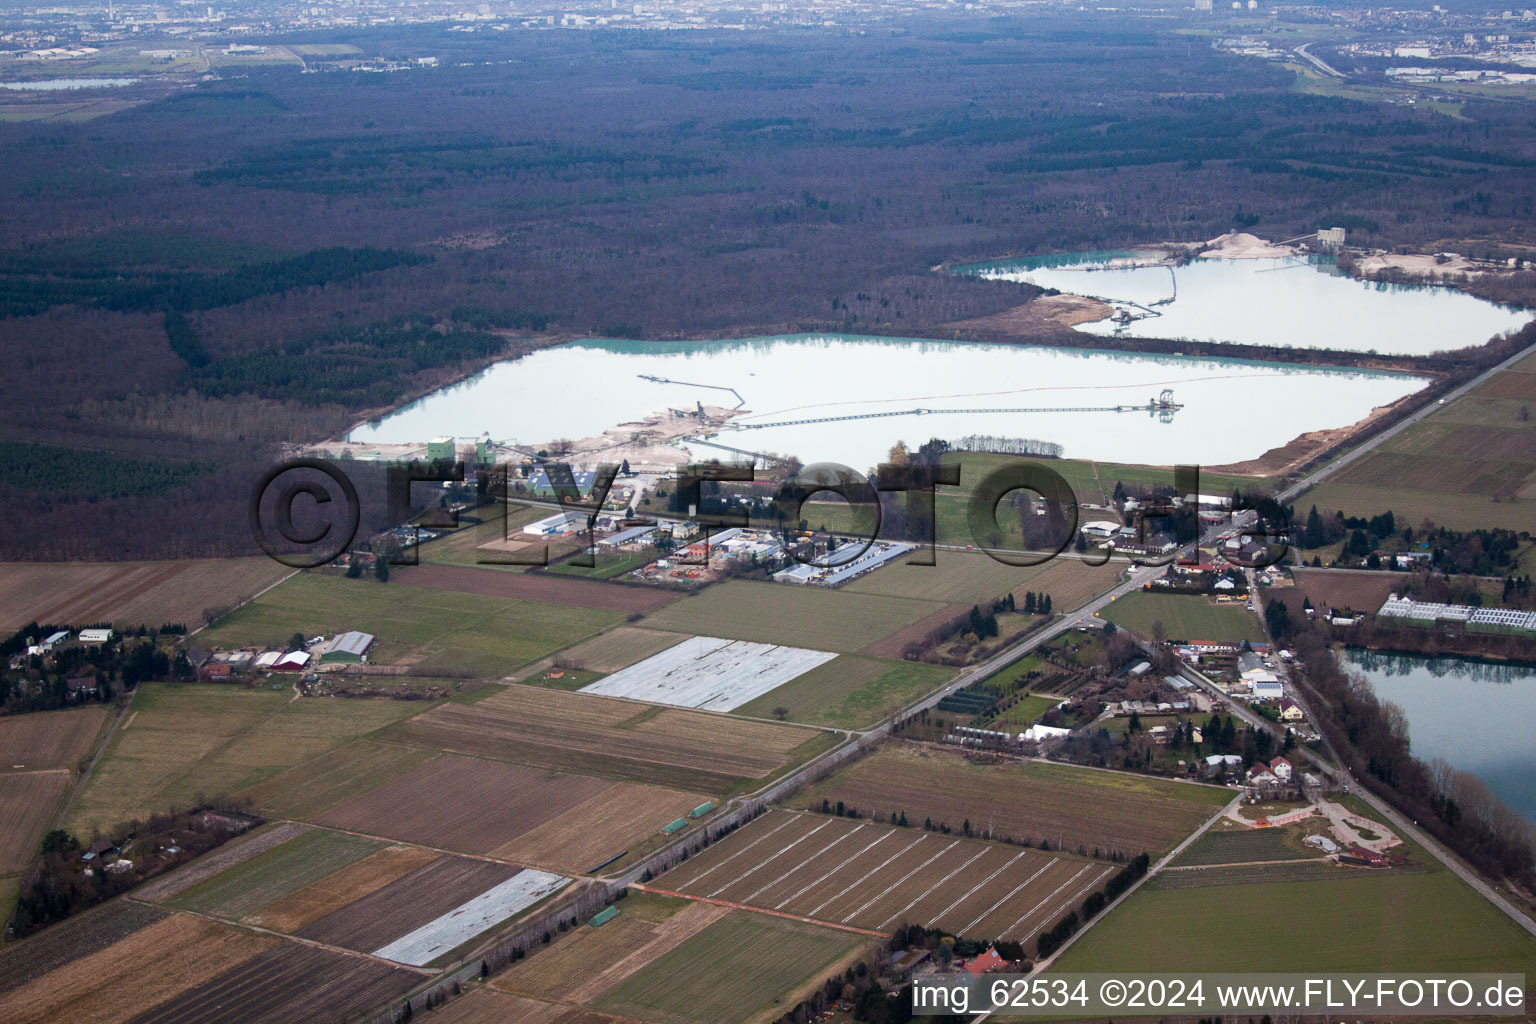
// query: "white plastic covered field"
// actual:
[[710, 673], [459, 925]]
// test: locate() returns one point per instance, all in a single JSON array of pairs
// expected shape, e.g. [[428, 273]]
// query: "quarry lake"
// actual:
[[1475, 715], [1231, 411], [1301, 302]]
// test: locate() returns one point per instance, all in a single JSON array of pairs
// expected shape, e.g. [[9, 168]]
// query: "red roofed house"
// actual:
[[1260, 774], [986, 963], [1281, 768]]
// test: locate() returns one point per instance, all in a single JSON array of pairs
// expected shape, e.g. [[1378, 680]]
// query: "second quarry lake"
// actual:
[[1299, 302], [1233, 410]]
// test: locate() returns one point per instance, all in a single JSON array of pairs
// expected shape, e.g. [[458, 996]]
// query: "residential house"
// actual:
[[1259, 775], [1290, 711], [1281, 768], [986, 963]]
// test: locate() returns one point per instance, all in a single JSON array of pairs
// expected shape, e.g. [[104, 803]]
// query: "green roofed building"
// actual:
[[675, 826], [703, 809], [604, 917], [346, 649]]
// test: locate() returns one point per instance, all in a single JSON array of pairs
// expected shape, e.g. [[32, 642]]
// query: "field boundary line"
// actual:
[[242, 604], [105, 741], [762, 910], [1245, 863]]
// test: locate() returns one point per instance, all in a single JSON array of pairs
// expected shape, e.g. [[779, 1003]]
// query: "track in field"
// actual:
[[874, 876]]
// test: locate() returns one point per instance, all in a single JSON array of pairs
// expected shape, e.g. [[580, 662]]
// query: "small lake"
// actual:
[[1233, 409], [64, 84], [1300, 302], [1478, 716]]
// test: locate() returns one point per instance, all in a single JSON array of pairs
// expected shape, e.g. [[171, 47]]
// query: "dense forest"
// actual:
[[273, 257]]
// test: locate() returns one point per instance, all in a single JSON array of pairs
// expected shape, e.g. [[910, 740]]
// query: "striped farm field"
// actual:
[[273, 874], [291, 984], [129, 594], [1082, 807], [732, 971], [871, 876], [577, 732], [340, 888], [626, 816], [488, 803], [71, 939], [488, 1006], [146, 968], [306, 790], [583, 964]]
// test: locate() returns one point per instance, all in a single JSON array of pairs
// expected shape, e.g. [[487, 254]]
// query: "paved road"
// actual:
[[1318, 62]]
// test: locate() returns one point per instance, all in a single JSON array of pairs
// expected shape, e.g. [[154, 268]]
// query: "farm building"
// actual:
[[266, 659], [674, 826], [1100, 530], [95, 636], [604, 917], [293, 661], [560, 522], [349, 648], [703, 809]]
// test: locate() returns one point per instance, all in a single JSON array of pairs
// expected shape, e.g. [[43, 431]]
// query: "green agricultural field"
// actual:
[[1022, 714], [777, 613], [849, 691], [1239, 846], [730, 972], [968, 577], [434, 629], [1184, 617], [189, 739], [1426, 921], [272, 874]]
